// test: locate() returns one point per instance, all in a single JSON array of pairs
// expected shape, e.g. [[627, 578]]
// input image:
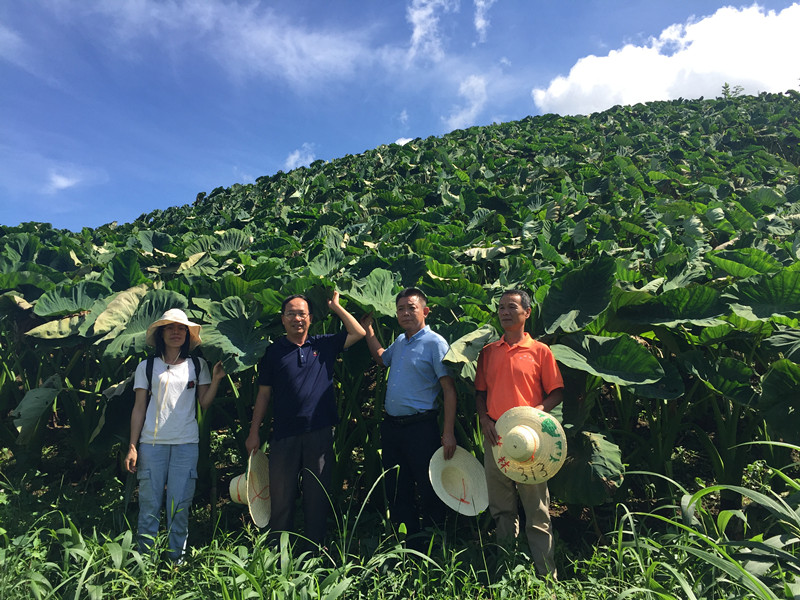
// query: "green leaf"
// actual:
[[577, 298], [68, 301], [618, 360], [744, 262], [375, 292], [123, 272], [762, 297], [29, 415], [58, 329], [695, 304], [463, 353], [232, 335], [592, 473], [118, 311], [778, 400]]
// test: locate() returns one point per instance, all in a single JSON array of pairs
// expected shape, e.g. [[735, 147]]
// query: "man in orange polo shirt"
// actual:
[[514, 371]]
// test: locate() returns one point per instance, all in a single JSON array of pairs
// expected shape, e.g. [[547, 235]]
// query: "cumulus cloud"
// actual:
[[423, 16], [402, 141], [481, 19], [303, 156], [473, 91], [748, 47]]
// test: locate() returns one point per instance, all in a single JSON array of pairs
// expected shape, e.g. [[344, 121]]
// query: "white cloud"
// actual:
[[402, 141], [423, 15], [481, 20], [58, 181], [404, 117], [749, 47], [473, 91], [303, 156], [246, 39]]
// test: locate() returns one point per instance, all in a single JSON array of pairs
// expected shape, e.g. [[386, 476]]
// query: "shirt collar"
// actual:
[[525, 342], [419, 334]]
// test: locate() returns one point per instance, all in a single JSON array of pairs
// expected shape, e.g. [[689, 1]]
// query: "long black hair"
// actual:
[[161, 347]]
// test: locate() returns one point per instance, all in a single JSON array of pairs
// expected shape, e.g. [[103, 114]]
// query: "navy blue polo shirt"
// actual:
[[301, 378]]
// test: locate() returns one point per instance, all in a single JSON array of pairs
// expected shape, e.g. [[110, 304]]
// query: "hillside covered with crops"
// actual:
[[660, 242]]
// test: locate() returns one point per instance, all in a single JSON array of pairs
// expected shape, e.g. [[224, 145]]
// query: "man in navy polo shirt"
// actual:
[[297, 371], [410, 429]]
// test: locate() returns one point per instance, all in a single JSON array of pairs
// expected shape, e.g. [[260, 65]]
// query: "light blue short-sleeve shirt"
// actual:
[[415, 367]]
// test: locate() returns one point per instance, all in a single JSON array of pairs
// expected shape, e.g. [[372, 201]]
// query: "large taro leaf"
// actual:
[[778, 400], [30, 413], [198, 265], [58, 329], [592, 472], [130, 338], [759, 298], [70, 300], [695, 304], [463, 354], [577, 298], [619, 360], [231, 335], [375, 292], [786, 342], [112, 314], [744, 262], [669, 387], [726, 376], [123, 272], [152, 240], [326, 262]]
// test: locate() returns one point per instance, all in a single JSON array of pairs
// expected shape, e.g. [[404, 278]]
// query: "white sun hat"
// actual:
[[532, 446], [252, 488], [459, 482], [174, 315]]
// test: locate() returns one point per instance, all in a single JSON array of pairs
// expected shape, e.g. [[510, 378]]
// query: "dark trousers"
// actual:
[[303, 461], [411, 447]]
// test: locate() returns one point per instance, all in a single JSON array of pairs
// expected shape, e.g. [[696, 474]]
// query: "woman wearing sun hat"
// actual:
[[164, 427]]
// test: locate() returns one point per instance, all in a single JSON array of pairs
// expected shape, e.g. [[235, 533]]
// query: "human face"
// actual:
[[411, 313], [296, 317], [512, 315], [175, 335]]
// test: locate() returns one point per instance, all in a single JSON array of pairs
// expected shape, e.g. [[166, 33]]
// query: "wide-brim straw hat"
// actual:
[[459, 482], [174, 315], [532, 446], [252, 488]]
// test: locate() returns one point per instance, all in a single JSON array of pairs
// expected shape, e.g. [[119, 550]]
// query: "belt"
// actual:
[[410, 419]]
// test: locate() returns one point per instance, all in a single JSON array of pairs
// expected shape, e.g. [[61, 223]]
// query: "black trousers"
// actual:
[[409, 492], [301, 461]]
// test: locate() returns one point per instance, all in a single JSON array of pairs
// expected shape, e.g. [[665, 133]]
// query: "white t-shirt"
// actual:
[[170, 417]]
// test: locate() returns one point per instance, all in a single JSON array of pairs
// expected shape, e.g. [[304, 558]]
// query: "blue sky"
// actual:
[[113, 108]]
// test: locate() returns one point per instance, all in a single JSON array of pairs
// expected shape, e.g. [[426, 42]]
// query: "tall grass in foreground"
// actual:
[[684, 551]]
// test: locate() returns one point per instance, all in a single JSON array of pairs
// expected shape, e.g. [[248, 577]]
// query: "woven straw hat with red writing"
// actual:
[[532, 446], [460, 482]]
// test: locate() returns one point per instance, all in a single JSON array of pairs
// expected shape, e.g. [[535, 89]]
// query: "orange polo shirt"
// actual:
[[519, 375]]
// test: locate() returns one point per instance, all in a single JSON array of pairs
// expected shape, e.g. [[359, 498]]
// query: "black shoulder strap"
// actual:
[[196, 362], [148, 370]]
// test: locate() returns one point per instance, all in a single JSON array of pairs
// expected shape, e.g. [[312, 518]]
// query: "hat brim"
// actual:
[[459, 482], [258, 496], [194, 330], [549, 457]]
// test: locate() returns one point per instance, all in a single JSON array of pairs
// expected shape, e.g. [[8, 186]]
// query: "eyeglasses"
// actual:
[[292, 315]]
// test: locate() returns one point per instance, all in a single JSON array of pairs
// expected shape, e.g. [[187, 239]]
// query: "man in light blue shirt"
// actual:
[[410, 430]]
